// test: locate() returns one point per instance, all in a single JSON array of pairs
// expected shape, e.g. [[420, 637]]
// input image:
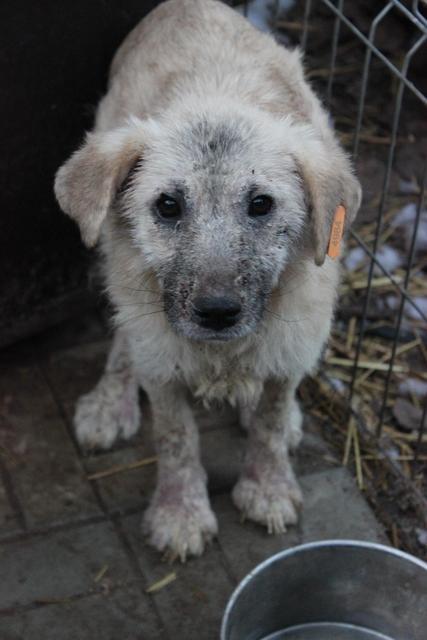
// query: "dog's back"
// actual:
[[202, 48]]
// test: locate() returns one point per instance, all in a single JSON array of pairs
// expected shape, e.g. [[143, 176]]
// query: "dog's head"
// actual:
[[216, 203]]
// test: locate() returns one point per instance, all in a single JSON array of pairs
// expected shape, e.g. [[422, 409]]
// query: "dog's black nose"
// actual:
[[216, 312]]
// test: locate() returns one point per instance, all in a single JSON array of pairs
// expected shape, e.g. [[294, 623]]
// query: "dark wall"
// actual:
[[54, 59]]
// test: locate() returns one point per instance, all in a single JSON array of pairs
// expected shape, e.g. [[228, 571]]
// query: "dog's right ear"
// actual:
[[86, 184]]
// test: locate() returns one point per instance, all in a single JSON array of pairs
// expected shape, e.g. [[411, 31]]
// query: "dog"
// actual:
[[210, 182]]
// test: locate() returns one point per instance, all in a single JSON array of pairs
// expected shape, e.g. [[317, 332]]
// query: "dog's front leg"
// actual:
[[179, 520], [111, 409], [267, 491]]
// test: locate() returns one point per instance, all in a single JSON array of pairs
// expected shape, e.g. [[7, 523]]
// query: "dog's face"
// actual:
[[216, 207], [215, 210]]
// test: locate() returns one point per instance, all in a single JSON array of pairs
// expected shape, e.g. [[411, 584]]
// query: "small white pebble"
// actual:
[[413, 385], [338, 385], [261, 13], [355, 258], [390, 259], [406, 220], [405, 216]]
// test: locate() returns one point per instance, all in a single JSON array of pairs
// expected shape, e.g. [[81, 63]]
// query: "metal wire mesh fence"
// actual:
[[380, 428], [368, 62]]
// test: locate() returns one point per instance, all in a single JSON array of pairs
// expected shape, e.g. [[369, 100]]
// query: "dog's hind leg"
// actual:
[[267, 491], [111, 409], [179, 520]]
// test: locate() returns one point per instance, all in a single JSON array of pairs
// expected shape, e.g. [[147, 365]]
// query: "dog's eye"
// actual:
[[260, 206], [168, 208]]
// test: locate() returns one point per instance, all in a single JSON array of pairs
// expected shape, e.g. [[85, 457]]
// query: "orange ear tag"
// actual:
[[337, 231]]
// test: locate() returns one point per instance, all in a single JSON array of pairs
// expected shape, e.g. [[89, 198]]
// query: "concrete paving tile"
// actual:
[[130, 488], [192, 605], [335, 508], [124, 614], [60, 565], [47, 476], [246, 544]]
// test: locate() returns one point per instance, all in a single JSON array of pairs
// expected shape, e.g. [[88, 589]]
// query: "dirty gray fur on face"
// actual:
[[216, 244], [211, 180]]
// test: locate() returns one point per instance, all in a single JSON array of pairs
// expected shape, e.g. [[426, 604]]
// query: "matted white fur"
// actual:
[[204, 107], [111, 410]]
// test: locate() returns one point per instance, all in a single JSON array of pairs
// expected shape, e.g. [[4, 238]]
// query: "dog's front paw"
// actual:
[[180, 525], [271, 502], [108, 412]]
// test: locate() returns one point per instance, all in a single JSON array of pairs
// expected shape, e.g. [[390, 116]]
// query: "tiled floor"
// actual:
[[73, 562]]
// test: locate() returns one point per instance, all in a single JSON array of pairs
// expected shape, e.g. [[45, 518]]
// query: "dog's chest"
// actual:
[[225, 379]]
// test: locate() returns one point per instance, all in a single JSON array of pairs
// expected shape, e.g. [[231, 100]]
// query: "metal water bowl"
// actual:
[[333, 590]]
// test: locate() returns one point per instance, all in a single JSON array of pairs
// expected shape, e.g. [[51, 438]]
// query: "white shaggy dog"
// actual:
[[211, 180]]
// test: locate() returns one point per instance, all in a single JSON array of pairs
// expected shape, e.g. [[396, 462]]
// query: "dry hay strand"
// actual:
[[120, 468]]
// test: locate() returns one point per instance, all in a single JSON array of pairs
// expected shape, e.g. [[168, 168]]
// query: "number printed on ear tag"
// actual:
[[337, 230]]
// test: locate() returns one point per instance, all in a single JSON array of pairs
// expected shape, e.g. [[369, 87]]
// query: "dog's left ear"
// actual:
[[329, 182], [86, 184]]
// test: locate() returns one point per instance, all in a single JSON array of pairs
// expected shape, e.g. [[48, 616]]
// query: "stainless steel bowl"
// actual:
[[333, 590]]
